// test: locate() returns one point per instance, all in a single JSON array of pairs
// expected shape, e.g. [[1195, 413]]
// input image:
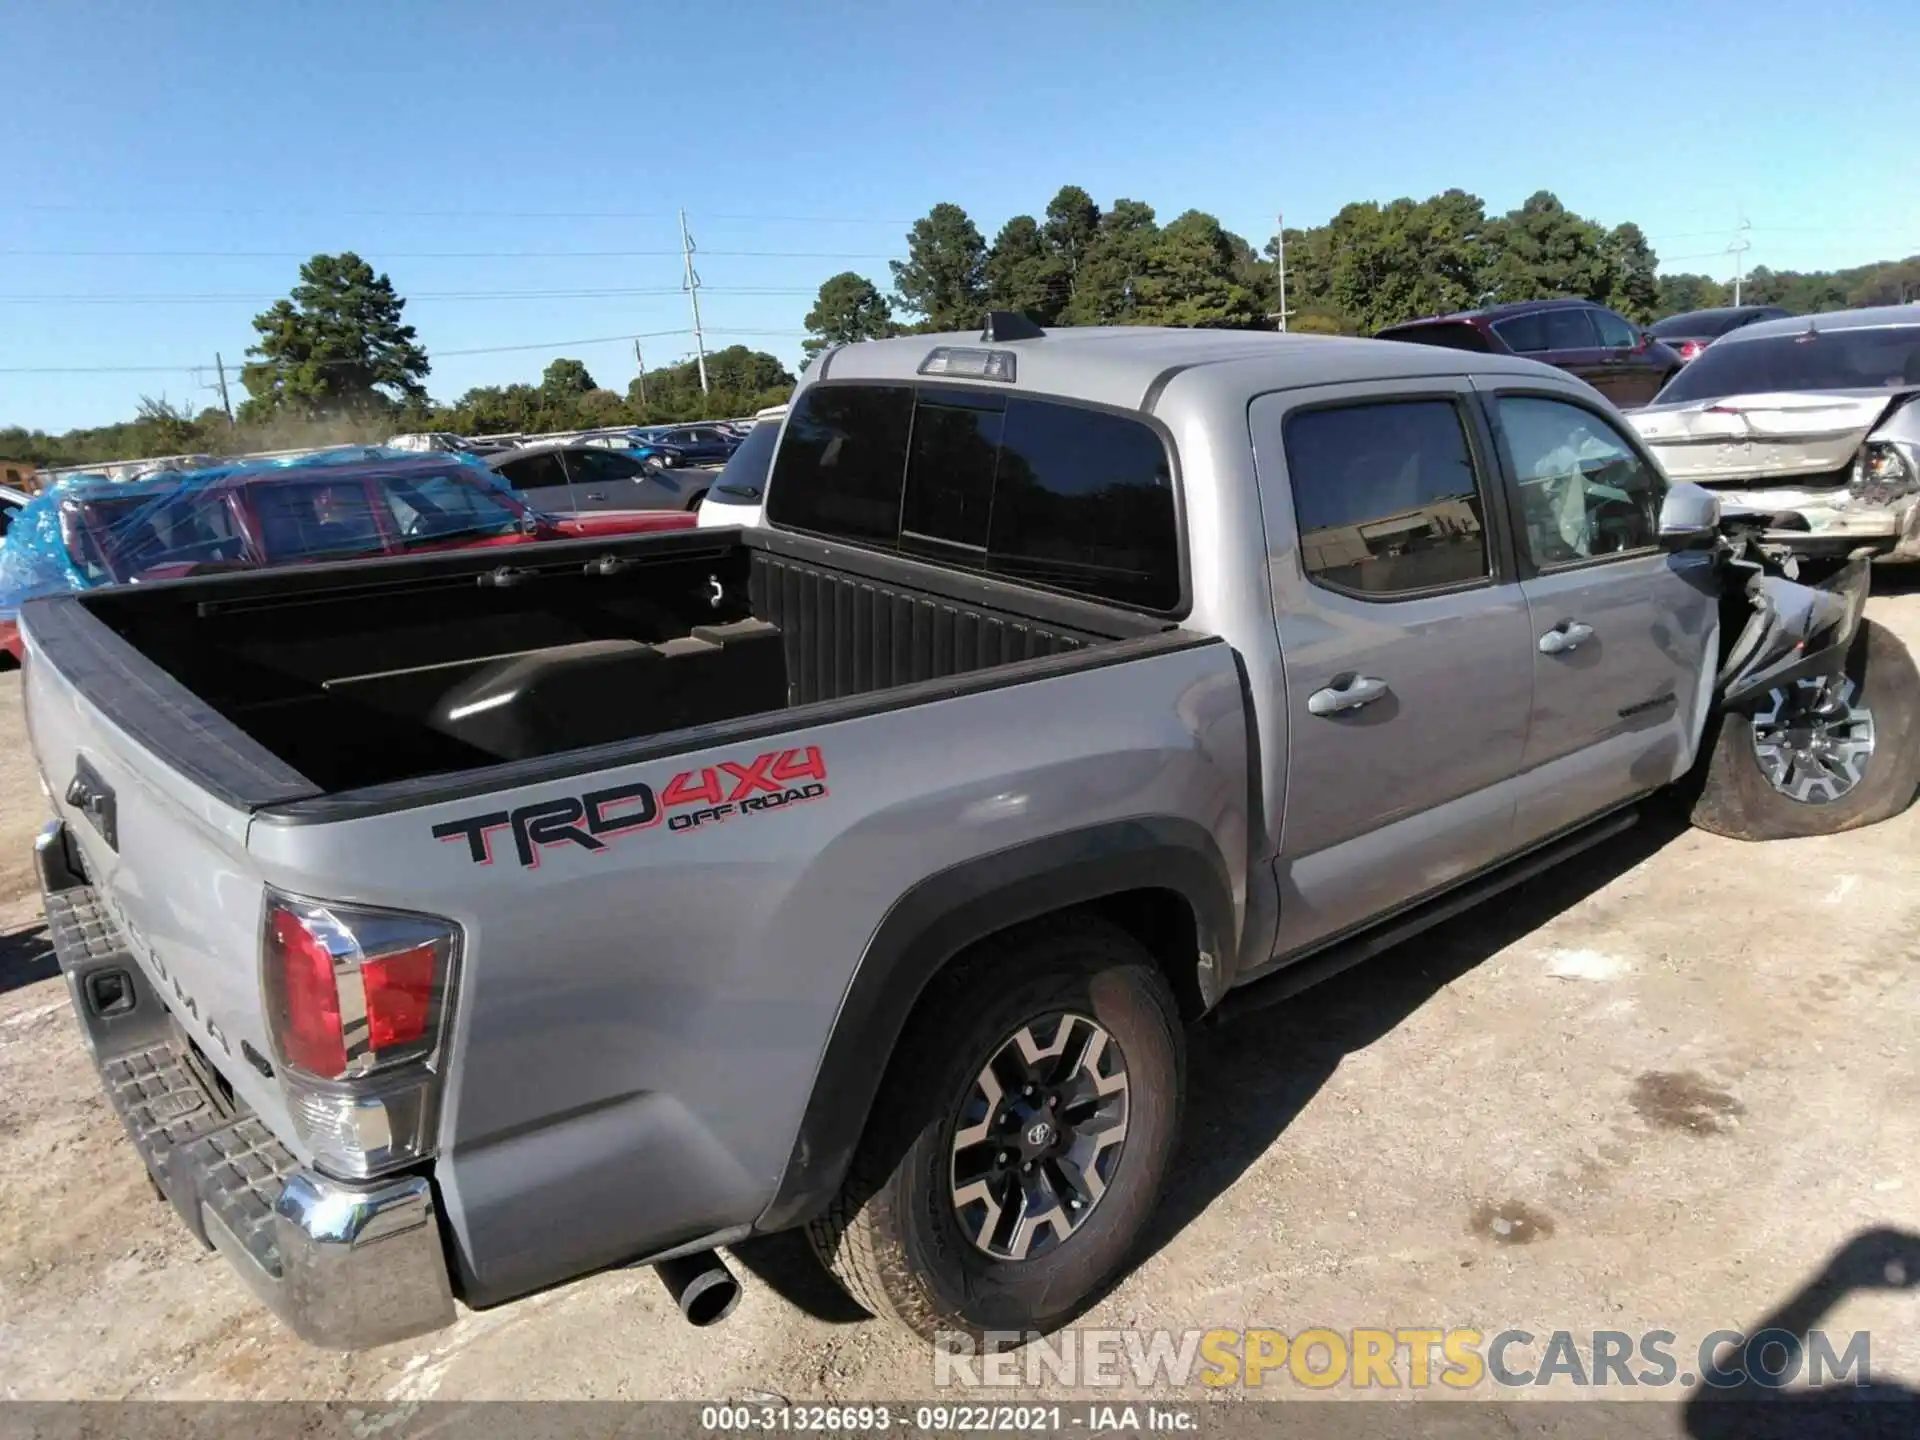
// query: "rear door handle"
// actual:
[[1567, 635], [1348, 692]]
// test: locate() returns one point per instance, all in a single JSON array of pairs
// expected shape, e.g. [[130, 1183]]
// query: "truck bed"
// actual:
[[296, 684]]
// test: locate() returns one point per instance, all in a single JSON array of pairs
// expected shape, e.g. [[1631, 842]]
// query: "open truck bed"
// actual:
[[397, 685]]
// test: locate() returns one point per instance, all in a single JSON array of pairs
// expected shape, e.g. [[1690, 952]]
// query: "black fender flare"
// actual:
[[947, 912]]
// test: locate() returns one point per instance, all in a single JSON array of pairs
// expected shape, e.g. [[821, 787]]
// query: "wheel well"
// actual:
[[1160, 920]]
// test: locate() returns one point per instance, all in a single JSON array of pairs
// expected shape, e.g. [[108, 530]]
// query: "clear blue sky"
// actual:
[[412, 132]]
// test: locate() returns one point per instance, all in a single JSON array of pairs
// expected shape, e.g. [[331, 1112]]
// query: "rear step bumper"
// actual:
[[344, 1266]]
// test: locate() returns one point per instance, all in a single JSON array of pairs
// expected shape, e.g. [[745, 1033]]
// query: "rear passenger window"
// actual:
[[1523, 333], [1032, 490], [1386, 498]]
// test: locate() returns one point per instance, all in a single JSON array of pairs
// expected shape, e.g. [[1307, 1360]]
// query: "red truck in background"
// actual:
[[169, 526]]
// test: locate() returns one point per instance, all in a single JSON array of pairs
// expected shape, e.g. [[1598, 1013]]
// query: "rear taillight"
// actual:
[[1690, 348], [358, 1001]]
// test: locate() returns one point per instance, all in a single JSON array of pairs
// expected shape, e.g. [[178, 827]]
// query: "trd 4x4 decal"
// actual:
[[693, 798]]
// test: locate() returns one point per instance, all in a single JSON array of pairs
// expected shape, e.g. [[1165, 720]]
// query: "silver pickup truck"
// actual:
[[452, 926]]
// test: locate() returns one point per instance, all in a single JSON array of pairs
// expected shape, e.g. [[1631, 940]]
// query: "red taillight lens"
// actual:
[[309, 1029], [351, 992], [399, 992], [1690, 348]]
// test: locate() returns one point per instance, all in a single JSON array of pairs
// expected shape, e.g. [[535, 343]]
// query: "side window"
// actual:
[[534, 472], [1583, 491], [315, 517], [1524, 334], [1570, 329], [1615, 333], [602, 467], [1385, 496]]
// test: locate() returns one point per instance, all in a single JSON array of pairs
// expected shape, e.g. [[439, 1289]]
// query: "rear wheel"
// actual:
[[1820, 756], [1020, 1139]]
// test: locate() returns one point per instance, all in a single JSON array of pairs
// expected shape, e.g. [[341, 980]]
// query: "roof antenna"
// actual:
[[1011, 325]]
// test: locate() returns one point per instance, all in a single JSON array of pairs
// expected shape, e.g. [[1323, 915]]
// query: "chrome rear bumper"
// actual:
[[344, 1266]]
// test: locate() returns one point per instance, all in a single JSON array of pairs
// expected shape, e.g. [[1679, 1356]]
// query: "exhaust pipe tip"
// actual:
[[701, 1285]]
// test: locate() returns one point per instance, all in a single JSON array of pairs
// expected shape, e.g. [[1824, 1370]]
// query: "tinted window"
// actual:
[[1569, 330], [1047, 493], [843, 461], [1524, 333], [1385, 497], [1615, 333], [1702, 324], [534, 472], [603, 466], [1452, 336], [745, 473], [1583, 491], [956, 447], [1811, 360], [1084, 502]]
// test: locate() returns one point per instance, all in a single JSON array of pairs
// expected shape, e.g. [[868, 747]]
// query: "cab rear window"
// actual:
[[1037, 491]]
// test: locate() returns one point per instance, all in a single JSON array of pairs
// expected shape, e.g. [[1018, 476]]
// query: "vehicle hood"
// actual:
[[1783, 435]]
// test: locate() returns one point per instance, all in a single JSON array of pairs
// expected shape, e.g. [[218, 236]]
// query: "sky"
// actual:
[[517, 169]]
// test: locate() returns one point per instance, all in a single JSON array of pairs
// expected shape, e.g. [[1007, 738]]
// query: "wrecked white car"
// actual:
[[1813, 415]]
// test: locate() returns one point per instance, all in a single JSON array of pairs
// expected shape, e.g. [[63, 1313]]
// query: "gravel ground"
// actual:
[[1660, 1089]]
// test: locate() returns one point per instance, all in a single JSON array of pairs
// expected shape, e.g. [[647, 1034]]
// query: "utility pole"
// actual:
[[641, 365], [1280, 264], [1738, 249], [220, 368], [692, 286]]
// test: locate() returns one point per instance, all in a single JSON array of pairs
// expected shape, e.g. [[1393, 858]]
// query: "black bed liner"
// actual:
[[861, 632]]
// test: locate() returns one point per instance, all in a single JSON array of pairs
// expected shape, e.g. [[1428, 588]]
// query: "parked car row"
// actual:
[[92, 532]]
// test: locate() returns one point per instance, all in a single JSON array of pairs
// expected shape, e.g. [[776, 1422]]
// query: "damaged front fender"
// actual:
[[1795, 632]]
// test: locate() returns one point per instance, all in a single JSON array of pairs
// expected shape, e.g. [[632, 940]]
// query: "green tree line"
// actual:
[[336, 361], [1370, 266]]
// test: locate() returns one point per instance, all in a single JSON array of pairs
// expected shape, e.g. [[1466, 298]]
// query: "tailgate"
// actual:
[[169, 861]]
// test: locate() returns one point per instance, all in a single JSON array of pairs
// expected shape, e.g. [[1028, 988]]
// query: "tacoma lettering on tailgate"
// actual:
[[693, 798]]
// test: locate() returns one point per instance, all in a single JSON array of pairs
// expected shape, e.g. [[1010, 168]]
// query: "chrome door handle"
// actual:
[[1357, 691], [1567, 635]]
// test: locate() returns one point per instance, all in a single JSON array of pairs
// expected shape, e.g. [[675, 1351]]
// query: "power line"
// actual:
[[64, 207], [387, 255], [576, 344], [257, 298]]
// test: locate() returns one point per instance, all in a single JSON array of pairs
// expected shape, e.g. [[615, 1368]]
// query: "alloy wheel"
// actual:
[[1039, 1136], [1813, 741]]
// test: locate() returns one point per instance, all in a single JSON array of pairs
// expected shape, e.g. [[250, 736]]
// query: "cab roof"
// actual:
[[1126, 365]]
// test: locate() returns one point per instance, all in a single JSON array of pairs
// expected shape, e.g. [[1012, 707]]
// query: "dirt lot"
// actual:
[[1660, 1090]]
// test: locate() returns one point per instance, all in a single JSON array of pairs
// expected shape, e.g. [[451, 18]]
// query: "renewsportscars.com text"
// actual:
[[1412, 1358]]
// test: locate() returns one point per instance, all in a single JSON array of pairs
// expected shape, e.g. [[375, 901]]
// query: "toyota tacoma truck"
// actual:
[[449, 926]]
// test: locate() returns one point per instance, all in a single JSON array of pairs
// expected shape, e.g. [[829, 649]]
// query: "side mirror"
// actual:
[[1689, 518]]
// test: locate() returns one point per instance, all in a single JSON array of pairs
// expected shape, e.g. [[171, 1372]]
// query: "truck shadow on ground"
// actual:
[[26, 958], [1248, 1080], [1788, 1344]]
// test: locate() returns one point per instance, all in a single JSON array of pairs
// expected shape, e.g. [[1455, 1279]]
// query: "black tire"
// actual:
[[892, 1237], [1737, 799], [694, 503]]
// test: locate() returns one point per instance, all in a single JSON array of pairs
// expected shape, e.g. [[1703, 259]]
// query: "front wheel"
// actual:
[[1020, 1138], [1820, 756]]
